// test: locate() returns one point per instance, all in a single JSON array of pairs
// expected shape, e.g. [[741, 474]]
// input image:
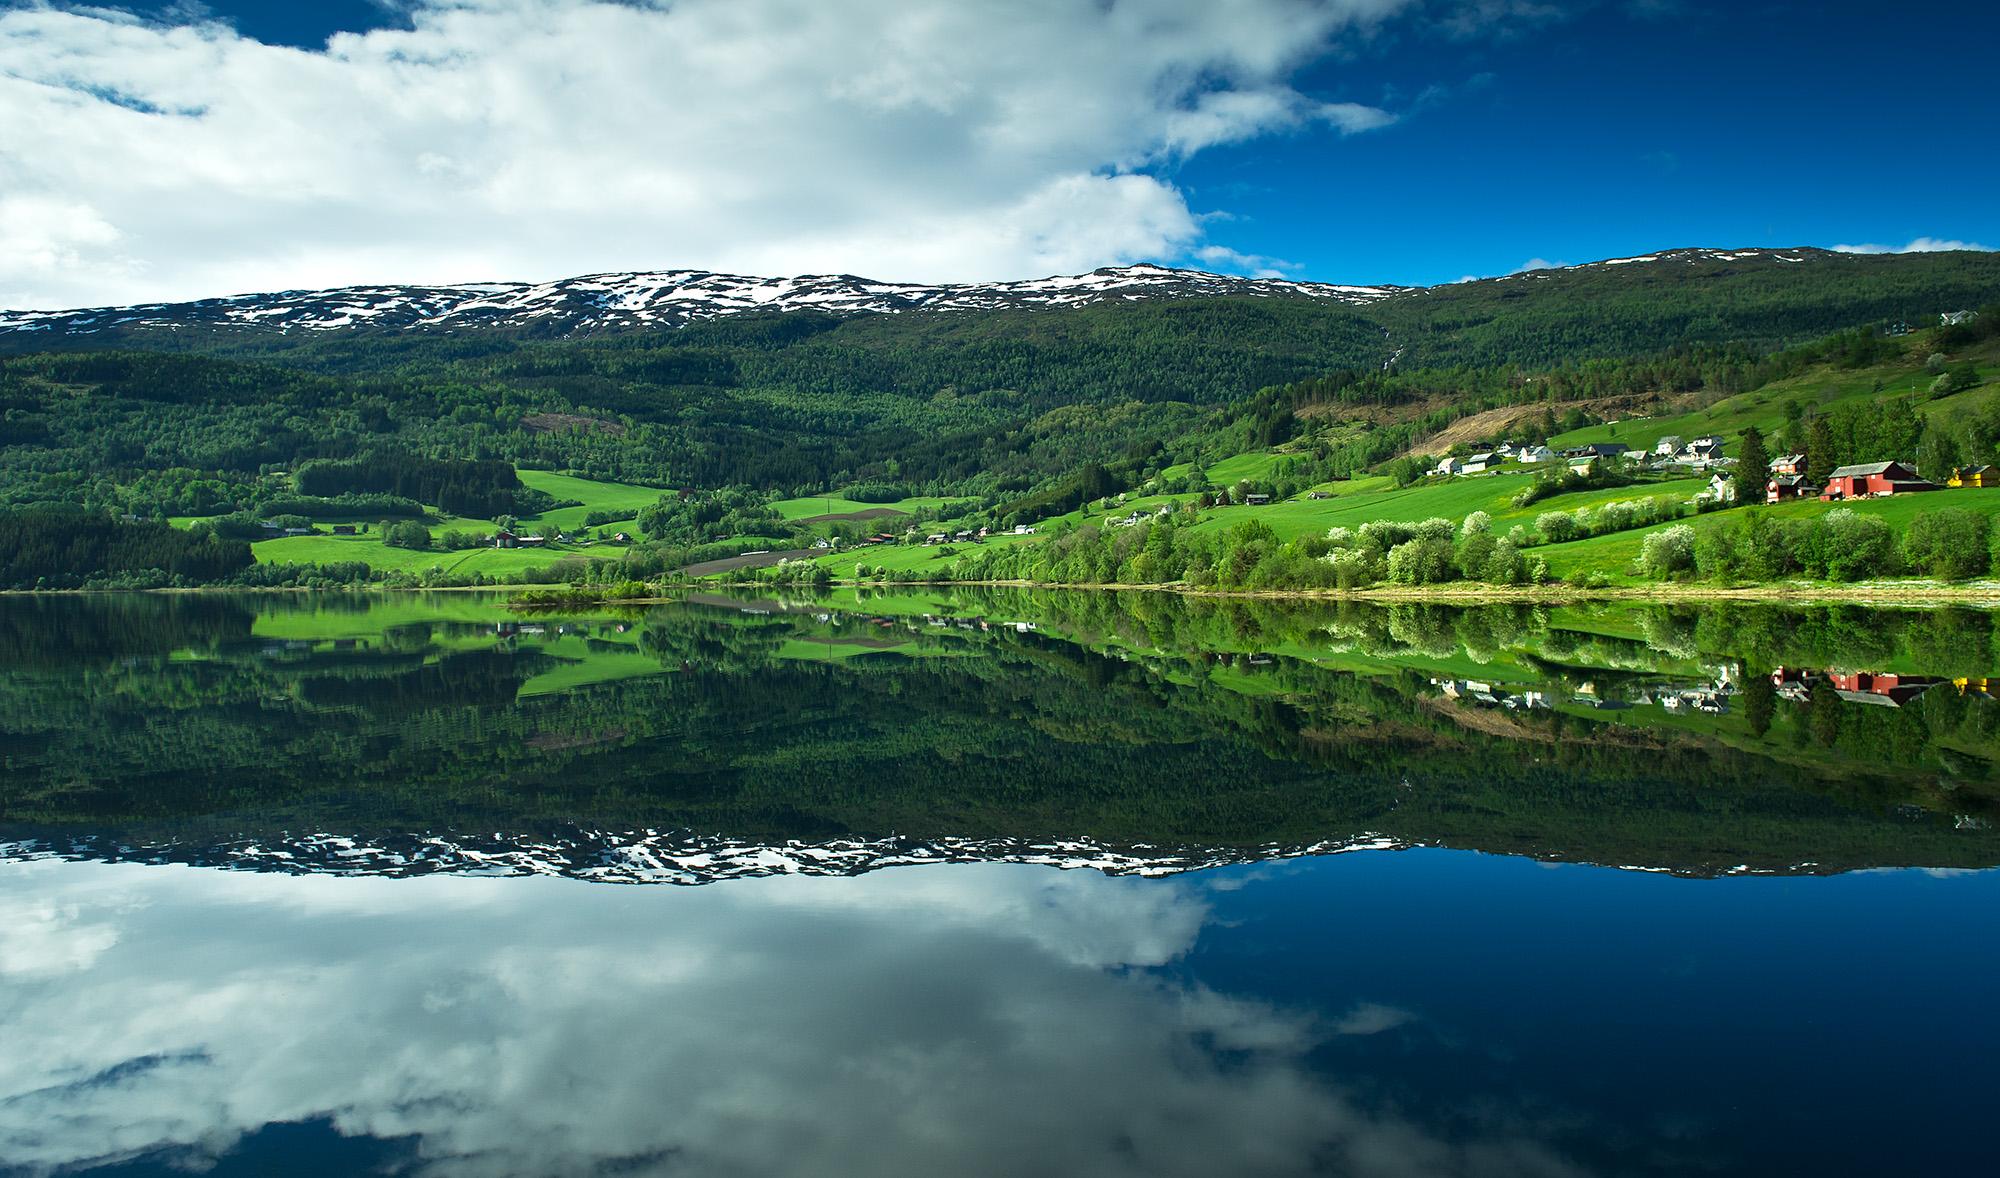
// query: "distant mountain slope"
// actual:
[[1761, 298], [604, 302], [1764, 299]]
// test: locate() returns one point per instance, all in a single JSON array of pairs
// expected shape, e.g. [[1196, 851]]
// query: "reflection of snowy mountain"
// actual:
[[672, 857], [684, 858]]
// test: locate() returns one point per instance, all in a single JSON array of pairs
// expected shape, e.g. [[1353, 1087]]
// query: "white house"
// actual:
[[1668, 445], [1450, 466], [1533, 454], [1479, 463]]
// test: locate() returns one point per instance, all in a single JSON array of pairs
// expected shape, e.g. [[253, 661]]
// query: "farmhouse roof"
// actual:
[[1850, 472]]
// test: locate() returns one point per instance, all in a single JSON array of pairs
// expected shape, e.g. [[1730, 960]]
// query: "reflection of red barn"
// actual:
[[1874, 478], [1867, 687], [1793, 683]]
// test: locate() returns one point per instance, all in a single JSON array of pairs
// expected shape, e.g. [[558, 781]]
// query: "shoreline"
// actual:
[[1986, 595]]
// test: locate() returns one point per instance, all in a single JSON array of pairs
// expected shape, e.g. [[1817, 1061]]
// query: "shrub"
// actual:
[[1558, 527], [1856, 546], [1505, 566], [1950, 543], [1355, 568], [407, 534], [1422, 561], [1668, 554], [1475, 545]]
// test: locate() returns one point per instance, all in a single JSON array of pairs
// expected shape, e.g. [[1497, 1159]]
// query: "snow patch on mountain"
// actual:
[[670, 298]]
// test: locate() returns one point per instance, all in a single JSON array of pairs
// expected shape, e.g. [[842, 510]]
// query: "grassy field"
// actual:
[[1226, 472], [908, 558], [1614, 554], [494, 562], [1452, 499], [596, 496], [500, 563], [809, 506], [1822, 389]]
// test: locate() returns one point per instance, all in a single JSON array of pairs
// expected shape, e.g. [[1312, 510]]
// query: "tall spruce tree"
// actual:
[[1820, 458], [1753, 467]]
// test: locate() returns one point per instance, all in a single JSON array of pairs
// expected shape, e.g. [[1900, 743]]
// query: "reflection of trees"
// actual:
[[1143, 718], [59, 631]]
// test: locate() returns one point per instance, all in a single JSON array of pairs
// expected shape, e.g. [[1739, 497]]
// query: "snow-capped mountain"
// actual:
[[670, 298]]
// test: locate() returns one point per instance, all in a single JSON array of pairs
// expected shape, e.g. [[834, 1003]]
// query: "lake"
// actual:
[[994, 882]]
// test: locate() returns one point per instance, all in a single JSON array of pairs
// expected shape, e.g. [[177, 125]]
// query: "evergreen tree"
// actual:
[[1753, 468], [1820, 456]]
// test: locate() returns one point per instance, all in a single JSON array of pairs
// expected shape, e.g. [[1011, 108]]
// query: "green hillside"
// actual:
[[1058, 417]]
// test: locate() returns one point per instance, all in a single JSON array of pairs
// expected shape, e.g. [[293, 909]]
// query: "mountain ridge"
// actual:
[[612, 301], [664, 298]]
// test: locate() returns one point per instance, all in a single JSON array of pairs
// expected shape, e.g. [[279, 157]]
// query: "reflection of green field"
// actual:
[[307, 618], [582, 665]]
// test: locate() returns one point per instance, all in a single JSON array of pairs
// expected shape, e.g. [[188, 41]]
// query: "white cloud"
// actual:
[[1221, 257], [1922, 245], [1536, 264], [920, 139]]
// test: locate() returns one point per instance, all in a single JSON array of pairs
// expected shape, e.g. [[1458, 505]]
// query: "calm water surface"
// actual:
[[993, 884]]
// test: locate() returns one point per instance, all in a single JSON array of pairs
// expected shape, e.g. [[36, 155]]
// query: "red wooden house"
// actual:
[[1874, 478], [1788, 486]]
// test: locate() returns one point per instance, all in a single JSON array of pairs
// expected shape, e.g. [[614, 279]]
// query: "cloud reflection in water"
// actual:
[[988, 1019]]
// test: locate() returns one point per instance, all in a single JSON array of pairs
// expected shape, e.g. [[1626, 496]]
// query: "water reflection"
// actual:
[[377, 987], [1414, 1014], [974, 1021], [412, 733]]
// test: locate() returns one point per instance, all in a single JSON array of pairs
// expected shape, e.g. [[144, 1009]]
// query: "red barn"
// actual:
[[1874, 478]]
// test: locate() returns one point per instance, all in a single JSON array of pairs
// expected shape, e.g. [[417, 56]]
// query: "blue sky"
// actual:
[[182, 150], [1612, 134]]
